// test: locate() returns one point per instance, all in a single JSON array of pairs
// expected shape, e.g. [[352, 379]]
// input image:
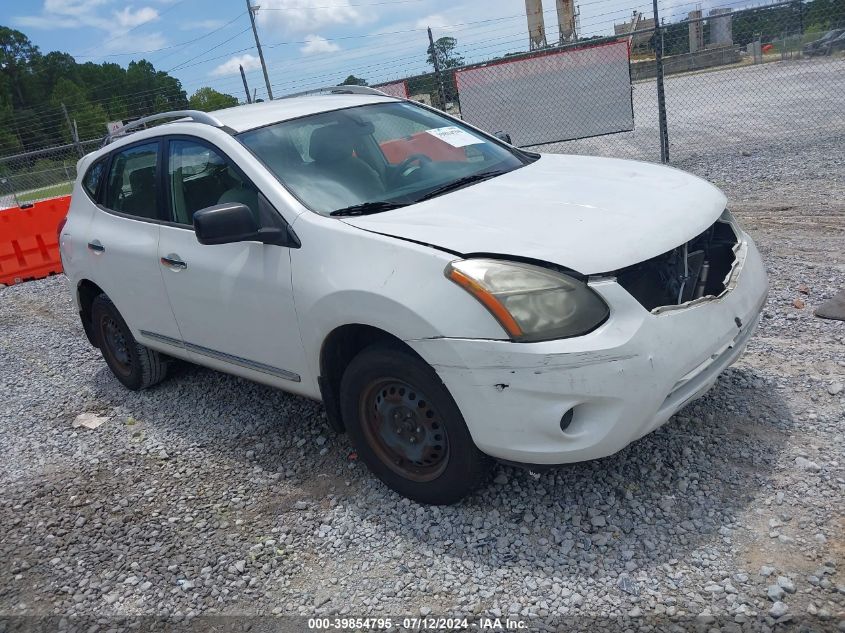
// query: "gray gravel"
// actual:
[[212, 495]]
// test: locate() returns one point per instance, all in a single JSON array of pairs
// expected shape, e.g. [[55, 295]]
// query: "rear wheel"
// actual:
[[407, 428], [133, 364]]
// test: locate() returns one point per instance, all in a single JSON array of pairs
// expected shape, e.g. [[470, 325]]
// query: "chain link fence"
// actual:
[[31, 176], [767, 80]]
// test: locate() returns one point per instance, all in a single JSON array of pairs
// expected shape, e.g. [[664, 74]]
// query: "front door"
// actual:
[[233, 302]]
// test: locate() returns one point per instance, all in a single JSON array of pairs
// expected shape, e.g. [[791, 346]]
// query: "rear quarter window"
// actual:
[[93, 178]]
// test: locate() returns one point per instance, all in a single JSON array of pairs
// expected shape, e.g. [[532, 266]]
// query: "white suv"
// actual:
[[449, 297]]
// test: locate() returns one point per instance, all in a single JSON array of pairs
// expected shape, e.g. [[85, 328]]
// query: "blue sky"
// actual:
[[308, 43]]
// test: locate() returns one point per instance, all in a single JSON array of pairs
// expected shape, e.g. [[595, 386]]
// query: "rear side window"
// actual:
[[91, 182], [132, 187]]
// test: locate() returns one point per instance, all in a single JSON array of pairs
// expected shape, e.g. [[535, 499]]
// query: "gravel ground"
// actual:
[[209, 495]]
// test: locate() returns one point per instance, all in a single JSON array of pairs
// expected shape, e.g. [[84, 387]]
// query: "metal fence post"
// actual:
[[246, 86], [73, 133], [661, 93], [436, 62]]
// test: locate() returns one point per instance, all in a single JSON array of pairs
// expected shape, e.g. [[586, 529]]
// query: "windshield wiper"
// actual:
[[366, 208], [460, 183]]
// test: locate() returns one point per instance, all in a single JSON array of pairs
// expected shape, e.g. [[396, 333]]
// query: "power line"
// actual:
[[182, 64], [393, 67], [137, 26], [505, 40], [165, 48]]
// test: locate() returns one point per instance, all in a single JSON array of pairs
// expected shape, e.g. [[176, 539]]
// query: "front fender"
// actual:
[[343, 275]]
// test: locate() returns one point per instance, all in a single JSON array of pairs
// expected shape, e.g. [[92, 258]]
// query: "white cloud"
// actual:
[[315, 44], [72, 7], [65, 14], [128, 19], [302, 16], [230, 67]]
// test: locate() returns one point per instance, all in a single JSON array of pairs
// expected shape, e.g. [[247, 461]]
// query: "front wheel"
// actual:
[[407, 428]]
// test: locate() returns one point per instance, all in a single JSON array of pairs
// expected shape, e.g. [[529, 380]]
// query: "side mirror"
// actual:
[[503, 136], [233, 222]]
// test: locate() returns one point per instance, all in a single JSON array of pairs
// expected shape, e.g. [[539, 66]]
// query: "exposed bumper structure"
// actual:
[[621, 381]]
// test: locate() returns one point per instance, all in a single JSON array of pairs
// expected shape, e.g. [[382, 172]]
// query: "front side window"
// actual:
[[200, 177], [131, 186], [376, 157]]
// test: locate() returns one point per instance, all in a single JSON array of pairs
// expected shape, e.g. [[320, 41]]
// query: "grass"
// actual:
[[53, 191]]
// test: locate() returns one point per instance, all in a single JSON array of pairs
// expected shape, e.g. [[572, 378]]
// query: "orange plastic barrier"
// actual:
[[399, 149], [29, 247]]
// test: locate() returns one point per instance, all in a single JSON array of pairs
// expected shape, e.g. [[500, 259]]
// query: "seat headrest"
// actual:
[[330, 143], [278, 152], [144, 178]]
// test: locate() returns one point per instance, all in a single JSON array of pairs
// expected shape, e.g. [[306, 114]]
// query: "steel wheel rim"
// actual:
[[116, 345], [404, 430]]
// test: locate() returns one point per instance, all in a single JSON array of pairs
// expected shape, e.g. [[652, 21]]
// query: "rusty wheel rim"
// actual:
[[404, 430], [116, 345]]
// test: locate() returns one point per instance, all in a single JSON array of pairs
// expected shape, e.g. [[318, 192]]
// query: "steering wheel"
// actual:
[[406, 167]]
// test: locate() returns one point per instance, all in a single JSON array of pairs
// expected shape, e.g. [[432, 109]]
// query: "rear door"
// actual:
[[122, 242], [233, 302]]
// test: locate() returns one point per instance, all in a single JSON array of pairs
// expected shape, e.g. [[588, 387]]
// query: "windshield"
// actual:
[[376, 157]]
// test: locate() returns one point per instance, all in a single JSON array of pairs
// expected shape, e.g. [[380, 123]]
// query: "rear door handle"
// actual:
[[174, 263], [96, 246]]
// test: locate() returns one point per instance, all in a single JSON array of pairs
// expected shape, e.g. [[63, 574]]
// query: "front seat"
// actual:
[[240, 192], [331, 149]]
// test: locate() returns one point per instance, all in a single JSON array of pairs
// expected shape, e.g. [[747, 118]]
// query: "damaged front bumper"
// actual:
[[570, 400]]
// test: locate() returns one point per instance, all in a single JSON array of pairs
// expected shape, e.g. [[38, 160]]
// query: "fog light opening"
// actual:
[[566, 420]]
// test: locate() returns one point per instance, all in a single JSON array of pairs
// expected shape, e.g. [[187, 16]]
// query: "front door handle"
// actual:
[[96, 246], [174, 262]]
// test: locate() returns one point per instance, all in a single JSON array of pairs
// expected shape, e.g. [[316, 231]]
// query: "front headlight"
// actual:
[[530, 302]]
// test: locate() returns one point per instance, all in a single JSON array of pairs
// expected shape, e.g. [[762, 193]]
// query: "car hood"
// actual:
[[588, 214]]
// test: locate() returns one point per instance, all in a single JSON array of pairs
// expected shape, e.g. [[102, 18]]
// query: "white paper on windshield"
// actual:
[[454, 136]]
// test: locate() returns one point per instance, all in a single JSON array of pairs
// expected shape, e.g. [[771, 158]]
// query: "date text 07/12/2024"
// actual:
[[416, 623]]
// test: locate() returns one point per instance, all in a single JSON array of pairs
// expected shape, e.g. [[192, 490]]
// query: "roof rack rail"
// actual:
[[193, 115], [338, 90]]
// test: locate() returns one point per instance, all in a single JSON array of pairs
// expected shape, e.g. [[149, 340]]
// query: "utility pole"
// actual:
[[246, 87], [251, 10], [73, 133], [436, 69], [661, 94]]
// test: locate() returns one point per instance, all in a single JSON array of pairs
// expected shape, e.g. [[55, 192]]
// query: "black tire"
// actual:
[[133, 364], [427, 453]]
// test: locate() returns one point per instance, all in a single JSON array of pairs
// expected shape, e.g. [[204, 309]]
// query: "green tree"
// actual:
[[17, 56], [208, 99], [447, 54], [105, 83], [33, 86], [149, 91], [49, 68], [9, 142], [32, 130], [90, 119], [352, 80]]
